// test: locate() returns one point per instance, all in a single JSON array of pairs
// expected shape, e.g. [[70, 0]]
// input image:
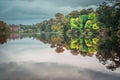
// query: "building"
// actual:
[[14, 28]]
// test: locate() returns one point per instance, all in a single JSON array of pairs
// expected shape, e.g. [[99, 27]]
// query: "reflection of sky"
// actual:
[[50, 71], [27, 53]]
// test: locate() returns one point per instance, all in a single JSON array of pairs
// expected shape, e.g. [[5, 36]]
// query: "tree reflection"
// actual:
[[59, 49], [108, 50], [74, 52], [3, 39], [99, 43], [104, 47]]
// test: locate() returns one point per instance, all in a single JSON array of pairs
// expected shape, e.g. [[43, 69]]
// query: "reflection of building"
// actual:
[[14, 28], [14, 36]]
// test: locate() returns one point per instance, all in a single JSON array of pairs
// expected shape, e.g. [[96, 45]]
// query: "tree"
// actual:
[[59, 15], [74, 14], [83, 11], [3, 27]]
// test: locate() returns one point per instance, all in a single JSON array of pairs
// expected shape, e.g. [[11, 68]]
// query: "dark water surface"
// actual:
[[35, 58]]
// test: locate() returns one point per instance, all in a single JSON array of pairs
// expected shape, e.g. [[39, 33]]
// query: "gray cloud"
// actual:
[[19, 10], [76, 3]]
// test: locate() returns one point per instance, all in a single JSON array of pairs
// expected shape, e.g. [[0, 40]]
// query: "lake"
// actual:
[[49, 57]]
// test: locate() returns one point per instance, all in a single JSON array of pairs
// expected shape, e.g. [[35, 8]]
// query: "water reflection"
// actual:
[[28, 56], [108, 50], [104, 47], [3, 39], [47, 71]]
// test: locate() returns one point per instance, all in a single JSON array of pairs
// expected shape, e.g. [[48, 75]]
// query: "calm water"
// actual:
[[32, 57]]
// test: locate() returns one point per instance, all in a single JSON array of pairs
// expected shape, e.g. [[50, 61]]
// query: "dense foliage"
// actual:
[[3, 27]]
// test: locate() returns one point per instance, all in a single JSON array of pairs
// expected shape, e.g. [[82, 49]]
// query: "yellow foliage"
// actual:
[[95, 27], [95, 40], [54, 28], [91, 50], [89, 22]]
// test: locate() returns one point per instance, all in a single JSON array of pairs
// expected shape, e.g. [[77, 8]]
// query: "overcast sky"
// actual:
[[34, 11]]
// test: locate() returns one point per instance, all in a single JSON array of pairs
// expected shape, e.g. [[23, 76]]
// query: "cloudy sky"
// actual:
[[34, 11]]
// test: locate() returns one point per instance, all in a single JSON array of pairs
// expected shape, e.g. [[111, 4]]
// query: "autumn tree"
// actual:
[[3, 27]]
